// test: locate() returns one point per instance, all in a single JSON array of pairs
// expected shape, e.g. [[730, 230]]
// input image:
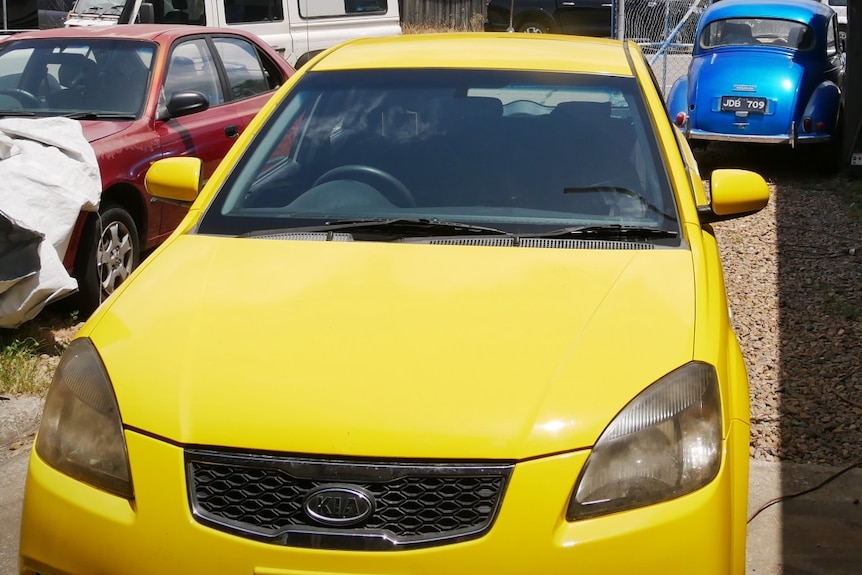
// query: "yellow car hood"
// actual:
[[386, 349]]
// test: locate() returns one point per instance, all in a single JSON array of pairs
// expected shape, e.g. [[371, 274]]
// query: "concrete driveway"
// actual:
[[12, 473]]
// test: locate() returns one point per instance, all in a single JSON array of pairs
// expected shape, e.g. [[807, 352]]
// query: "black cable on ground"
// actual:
[[844, 378], [833, 477]]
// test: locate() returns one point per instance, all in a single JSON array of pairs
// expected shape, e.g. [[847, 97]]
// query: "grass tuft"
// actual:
[[23, 370], [476, 24], [29, 354]]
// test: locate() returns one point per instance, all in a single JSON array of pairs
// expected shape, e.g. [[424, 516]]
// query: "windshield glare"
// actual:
[[519, 151], [51, 77]]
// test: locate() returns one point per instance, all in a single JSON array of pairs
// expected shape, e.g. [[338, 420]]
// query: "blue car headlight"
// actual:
[[81, 433], [664, 444]]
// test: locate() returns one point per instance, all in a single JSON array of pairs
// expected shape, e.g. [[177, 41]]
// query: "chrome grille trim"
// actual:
[[424, 504]]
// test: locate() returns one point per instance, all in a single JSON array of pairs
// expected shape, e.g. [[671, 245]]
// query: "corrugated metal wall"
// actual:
[[454, 14]]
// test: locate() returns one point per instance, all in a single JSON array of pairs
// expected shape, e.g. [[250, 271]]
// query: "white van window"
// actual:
[[180, 12], [239, 11], [328, 8]]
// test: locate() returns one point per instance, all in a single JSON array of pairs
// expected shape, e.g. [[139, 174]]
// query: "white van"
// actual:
[[298, 29]]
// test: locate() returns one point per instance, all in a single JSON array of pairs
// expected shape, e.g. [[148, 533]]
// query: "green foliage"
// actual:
[[30, 353], [21, 368], [476, 25]]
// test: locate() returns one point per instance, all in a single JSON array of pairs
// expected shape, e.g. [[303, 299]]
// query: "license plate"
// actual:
[[743, 104]]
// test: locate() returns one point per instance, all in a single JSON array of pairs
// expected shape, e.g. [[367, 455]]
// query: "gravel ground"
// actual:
[[794, 280]]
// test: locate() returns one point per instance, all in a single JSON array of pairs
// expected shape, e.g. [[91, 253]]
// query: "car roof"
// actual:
[[127, 31], [806, 11], [482, 50]]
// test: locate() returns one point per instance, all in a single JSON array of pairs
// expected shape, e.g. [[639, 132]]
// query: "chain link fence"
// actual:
[[663, 28], [665, 31]]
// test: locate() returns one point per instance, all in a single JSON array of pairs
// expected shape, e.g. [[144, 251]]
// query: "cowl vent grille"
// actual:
[[307, 236], [546, 243]]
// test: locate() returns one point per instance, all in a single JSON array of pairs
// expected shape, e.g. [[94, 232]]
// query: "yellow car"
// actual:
[[452, 305]]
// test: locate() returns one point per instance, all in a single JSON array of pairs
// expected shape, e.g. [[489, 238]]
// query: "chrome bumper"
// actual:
[[793, 138]]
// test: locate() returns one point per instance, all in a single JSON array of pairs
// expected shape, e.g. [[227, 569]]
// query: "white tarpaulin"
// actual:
[[48, 175]]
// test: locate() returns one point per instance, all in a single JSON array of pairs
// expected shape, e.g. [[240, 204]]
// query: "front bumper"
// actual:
[[71, 528]]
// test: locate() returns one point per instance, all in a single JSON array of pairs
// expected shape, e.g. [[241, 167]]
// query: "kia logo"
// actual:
[[338, 504]]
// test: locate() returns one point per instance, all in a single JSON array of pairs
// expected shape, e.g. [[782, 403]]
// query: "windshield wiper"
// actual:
[[607, 231], [399, 228], [99, 116], [395, 228], [622, 191], [18, 113]]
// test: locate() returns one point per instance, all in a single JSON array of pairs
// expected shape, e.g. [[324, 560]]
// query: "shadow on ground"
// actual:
[[812, 409]]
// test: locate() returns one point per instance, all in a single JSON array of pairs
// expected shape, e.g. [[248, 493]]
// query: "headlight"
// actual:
[[664, 444], [81, 433]]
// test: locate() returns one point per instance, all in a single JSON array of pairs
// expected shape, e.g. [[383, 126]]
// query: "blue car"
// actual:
[[764, 72]]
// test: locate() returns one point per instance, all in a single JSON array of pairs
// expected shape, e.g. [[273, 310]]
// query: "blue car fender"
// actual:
[[823, 105], [677, 98]]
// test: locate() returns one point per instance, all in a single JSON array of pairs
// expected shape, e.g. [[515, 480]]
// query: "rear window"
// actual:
[[757, 32]]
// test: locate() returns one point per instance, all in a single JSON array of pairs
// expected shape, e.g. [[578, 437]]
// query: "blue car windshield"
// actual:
[[758, 32], [515, 150]]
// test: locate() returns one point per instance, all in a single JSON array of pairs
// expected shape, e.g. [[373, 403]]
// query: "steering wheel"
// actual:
[[26, 99], [394, 190]]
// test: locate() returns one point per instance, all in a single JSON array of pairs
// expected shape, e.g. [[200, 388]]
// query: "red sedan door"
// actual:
[[207, 135], [251, 73]]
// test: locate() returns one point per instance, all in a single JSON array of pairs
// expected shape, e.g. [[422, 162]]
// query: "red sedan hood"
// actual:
[[97, 129]]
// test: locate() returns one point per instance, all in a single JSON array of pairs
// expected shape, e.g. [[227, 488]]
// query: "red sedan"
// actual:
[[141, 93]]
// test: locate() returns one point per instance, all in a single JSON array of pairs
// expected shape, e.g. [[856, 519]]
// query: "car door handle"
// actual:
[[231, 131]]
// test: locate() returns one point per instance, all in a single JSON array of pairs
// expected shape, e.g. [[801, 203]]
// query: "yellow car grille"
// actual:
[[339, 504]]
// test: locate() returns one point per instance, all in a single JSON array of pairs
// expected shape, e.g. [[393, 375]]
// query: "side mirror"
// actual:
[[185, 103], [733, 194], [146, 14], [175, 180]]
